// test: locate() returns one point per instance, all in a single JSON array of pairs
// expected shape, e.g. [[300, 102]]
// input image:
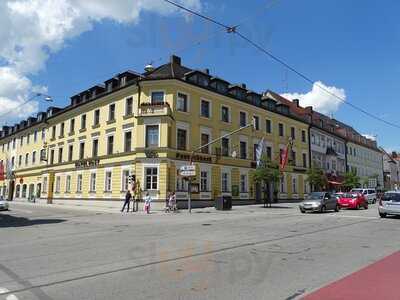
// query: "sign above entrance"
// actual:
[[187, 171], [87, 163]]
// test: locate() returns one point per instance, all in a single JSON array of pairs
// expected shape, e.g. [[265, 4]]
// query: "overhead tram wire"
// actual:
[[234, 30]]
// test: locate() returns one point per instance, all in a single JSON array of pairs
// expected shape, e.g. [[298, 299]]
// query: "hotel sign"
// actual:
[[196, 157], [87, 163]]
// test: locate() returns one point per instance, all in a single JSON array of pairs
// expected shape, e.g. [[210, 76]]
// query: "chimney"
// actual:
[[207, 71], [297, 102], [243, 85], [175, 60]]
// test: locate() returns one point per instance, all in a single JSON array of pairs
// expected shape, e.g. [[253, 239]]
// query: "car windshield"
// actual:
[[316, 196], [395, 197], [350, 195]]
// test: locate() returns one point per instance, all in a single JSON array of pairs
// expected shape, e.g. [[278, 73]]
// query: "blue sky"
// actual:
[[348, 45]]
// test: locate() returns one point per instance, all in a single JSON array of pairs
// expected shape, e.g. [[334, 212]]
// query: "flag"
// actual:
[[260, 150], [1, 170]]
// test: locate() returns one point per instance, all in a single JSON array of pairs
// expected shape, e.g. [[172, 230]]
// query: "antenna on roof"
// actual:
[[149, 67]]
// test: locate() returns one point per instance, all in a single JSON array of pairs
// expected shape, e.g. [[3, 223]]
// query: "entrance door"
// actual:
[[258, 193], [31, 191], [38, 190]]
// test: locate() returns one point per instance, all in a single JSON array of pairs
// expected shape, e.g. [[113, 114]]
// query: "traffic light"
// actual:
[[131, 179]]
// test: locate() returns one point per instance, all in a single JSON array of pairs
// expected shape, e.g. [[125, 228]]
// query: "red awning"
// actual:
[[335, 182]]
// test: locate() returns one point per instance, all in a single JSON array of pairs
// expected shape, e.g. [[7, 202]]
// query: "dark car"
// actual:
[[319, 201]]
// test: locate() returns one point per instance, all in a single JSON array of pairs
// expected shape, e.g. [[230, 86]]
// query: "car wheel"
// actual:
[[302, 211], [366, 206], [382, 215], [337, 208], [323, 209], [358, 206], [374, 201]]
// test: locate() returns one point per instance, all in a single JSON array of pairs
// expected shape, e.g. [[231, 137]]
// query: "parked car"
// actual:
[[3, 204], [369, 194], [319, 201], [389, 204], [353, 200]]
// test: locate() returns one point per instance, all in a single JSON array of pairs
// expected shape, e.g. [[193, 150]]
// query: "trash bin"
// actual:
[[223, 203]]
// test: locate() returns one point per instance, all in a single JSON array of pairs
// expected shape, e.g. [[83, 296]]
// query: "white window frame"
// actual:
[[106, 188], [182, 126], [68, 180], [246, 183], [149, 166], [208, 131], [91, 189], [125, 179], [79, 184], [229, 113], [145, 134], [58, 184], [271, 127], [246, 118], [157, 91]]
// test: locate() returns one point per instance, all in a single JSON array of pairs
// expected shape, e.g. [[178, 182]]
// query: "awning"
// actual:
[[335, 182]]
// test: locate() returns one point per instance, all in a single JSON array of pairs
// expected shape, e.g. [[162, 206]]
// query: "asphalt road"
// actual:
[[247, 253]]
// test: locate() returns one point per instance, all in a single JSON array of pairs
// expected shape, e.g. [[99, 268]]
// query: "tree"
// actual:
[[316, 178], [351, 180], [267, 174]]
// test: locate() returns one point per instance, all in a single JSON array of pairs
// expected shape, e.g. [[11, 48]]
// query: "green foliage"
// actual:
[[268, 171], [351, 180], [317, 179]]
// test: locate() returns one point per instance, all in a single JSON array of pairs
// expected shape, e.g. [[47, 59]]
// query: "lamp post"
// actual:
[[206, 145]]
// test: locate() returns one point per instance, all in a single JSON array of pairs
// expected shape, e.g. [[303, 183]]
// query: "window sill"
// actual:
[[92, 192], [183, 111], [71, 133], [110, 122], [107, 192], [128, 116], [95, 126], [61, 136], [52, 139], [82, 130]]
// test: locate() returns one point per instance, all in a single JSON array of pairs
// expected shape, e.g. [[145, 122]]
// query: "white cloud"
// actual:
[[32, 30], [370, 136], [319, 99]]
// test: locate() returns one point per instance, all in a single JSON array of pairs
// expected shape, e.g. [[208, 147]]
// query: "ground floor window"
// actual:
[[24, 187], [204, 181], [282, 184], [125, 180], [68, 183], [243, 183], [58, 184], [151, 178], [92, 182], [79, 183], [44, 184], [224, 182], [17, 191], [107, 183], [182, 184], [294, 185]]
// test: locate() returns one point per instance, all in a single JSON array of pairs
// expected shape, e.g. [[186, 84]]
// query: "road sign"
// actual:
[[187, 171]]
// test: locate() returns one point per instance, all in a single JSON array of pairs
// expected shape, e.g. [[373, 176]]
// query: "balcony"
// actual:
[[154, 109]]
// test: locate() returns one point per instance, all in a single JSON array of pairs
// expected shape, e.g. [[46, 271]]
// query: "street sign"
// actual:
[[187, 171]]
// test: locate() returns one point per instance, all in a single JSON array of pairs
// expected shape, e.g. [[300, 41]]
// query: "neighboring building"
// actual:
[[146, 125], [390, 170]]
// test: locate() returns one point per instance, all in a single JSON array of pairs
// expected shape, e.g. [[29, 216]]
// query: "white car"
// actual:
[[369, 194], [3, 204], [389, 204]]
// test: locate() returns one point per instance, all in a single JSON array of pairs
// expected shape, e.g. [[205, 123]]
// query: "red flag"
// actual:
[[1, 171], [284, 157]]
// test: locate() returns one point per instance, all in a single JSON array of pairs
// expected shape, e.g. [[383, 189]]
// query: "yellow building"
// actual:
[[146, 125]]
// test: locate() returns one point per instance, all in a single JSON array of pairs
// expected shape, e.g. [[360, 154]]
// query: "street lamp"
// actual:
[[46, 97]]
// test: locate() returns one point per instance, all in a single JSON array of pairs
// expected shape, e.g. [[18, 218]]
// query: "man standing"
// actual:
[[128, 198]]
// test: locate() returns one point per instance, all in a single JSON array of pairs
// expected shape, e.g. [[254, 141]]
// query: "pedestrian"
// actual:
[[147, 202], [172, 201], [133, 196], [128, 197], [167, 202]]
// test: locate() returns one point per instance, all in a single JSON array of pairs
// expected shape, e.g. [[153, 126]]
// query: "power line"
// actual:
[[233, 29], [197, 14]]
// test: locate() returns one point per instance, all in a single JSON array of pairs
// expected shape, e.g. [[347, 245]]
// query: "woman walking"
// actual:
[[147, 201]]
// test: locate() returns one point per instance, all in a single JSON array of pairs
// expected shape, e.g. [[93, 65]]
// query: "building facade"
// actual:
[[146, 126]]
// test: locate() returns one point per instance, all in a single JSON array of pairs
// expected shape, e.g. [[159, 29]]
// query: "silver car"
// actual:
[[3, 204], [319, 201], [389, 204]]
